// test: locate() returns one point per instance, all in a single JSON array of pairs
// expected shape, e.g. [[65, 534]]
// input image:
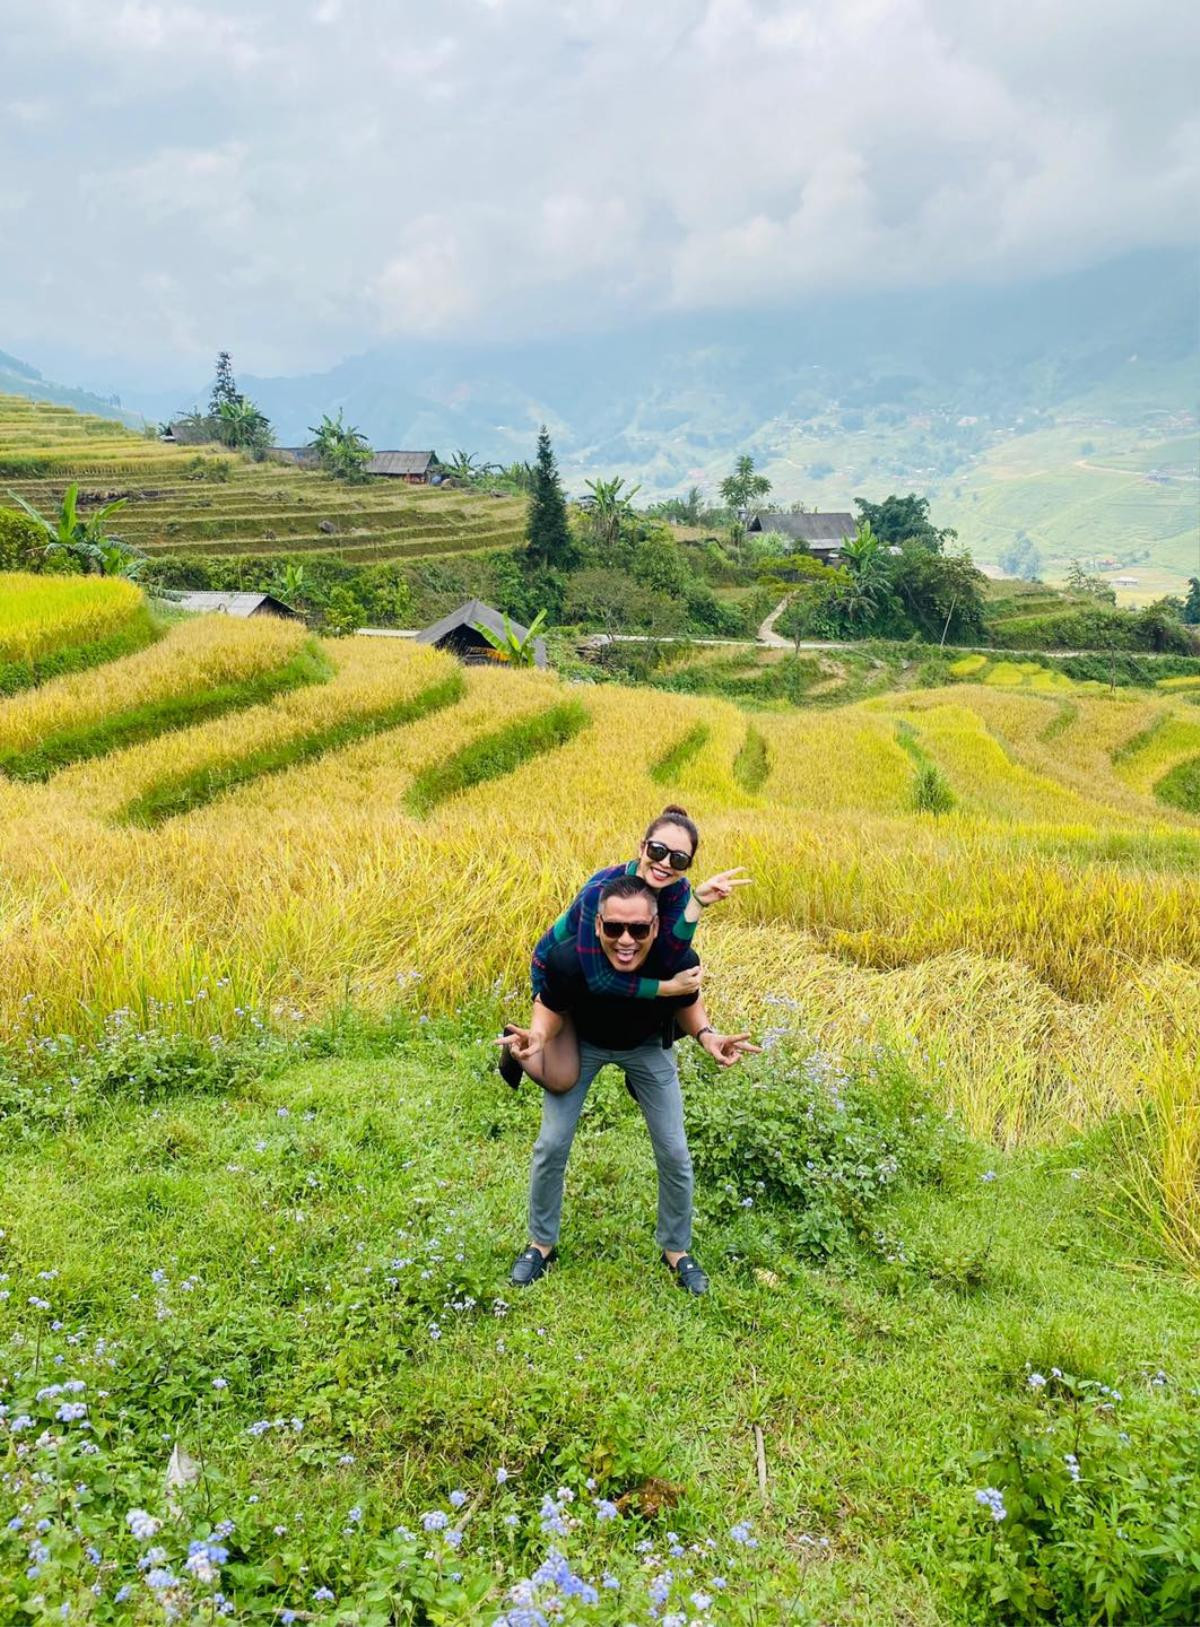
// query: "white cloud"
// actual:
[[303, 181]]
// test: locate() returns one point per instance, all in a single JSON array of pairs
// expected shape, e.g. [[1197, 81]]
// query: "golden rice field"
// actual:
[[1039, 944], [39, 614]]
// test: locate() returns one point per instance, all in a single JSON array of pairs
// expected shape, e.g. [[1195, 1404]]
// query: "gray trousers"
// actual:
[[652, 1072]]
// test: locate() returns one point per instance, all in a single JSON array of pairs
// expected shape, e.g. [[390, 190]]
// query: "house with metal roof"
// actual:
[[459, 633], [235, 604], [823, 534], [416, 468]]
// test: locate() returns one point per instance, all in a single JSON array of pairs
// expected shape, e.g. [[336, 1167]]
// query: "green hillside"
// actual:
[[211, 502]]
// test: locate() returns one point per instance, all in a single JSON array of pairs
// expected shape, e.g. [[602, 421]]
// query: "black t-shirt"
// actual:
[[614, 1022]]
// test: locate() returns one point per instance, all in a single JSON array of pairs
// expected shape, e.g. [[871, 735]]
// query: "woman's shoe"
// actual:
[[511, 1070]]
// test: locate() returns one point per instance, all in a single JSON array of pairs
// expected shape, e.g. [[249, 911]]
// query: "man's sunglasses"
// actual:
[[656, 852], [639, 931]]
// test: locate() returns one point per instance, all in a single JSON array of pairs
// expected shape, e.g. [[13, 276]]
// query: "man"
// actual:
[[637, 1036]]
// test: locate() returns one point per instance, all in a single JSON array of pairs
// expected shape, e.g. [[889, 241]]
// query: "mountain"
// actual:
[[19, 378], [666, 401]]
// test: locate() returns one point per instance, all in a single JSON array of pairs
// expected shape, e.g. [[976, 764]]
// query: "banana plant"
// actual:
[[509, 647], [609, 507], [85, 542]]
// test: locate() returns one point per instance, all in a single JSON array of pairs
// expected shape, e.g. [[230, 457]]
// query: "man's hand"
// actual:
[[721, 885], [685, 982], [728, 1049], [522, 1044]]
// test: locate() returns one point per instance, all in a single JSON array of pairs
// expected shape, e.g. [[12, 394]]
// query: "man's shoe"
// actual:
[[687, 1274], [531, 1264], [511, 1070]]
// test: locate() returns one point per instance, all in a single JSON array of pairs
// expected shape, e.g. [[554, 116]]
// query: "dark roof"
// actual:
[[476, 614], [822, 528], [234, 604], [381, 463], [401, 463]]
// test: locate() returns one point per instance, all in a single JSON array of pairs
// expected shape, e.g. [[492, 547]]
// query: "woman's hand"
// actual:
[[720, 886], [686, 982]]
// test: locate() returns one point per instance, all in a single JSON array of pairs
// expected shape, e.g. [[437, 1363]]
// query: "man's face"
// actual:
[[624, 951]]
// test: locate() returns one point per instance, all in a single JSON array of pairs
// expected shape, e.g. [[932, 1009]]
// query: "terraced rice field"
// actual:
[[276, 853], [178, 505]]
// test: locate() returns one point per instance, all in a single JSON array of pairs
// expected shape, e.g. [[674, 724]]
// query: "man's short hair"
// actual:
[[629, 887]]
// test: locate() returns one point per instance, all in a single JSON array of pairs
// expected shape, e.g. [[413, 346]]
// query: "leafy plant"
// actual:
[[342, 450], [518, 650], [84, 543], [744, 486], [1087, 1508]]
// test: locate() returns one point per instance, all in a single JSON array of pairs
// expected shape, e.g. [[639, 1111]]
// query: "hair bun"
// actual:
[[674, 808]]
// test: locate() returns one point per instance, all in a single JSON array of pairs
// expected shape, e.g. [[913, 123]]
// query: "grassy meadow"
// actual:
[[264, 901]]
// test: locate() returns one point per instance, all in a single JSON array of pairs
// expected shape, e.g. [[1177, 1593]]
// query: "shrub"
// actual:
[[822, 1141], [22, 542], [1087, 1507]]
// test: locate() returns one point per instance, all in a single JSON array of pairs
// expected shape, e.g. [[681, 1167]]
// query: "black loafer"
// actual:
[[531, 1264], [688, 1274], [511, 1070]]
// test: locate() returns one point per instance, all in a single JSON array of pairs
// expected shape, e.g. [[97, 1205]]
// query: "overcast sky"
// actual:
[[297, 179]]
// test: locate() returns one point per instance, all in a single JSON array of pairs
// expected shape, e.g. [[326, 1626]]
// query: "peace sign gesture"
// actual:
[[721, 885]]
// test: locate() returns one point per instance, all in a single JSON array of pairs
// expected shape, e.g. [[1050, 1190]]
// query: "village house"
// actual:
[[235, 604], [459, 634], [414, 468], [822, 534]]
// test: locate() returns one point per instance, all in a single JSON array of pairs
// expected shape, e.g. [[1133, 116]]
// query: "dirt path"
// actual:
[[767, 634]]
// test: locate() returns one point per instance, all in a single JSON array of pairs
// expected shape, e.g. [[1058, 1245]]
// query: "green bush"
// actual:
[[22, 542], [819, 1141], [1087, 1507]]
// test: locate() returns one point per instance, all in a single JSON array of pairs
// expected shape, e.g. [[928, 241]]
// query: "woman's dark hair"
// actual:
[[672, 814]]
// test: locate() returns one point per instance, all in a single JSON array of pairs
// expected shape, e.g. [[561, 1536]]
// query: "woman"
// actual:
[[667, 852]]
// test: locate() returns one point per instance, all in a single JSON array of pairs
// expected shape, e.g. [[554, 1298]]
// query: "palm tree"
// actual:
[[517, 652], [743, 486], [85, 542]]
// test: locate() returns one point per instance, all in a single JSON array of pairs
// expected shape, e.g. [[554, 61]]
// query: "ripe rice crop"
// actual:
[[1033, 946], [200, 654], [41, 616]]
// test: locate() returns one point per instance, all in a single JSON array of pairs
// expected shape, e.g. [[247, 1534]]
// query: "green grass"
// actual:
[[141, 630], [1180, 786], [170, 712], [181, 795], [494, 755], [753, 761], [279, 1209], [678, 755]]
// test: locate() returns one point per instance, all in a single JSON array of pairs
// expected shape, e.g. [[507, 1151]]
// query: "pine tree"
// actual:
[[550, 546], [1191, 609], [224, 390]]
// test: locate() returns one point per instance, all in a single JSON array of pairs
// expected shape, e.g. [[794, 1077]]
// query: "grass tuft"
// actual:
[[494, 755], [753, 762], [678, 756]]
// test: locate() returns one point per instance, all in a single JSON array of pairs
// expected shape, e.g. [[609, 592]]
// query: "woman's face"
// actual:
[[659, 872]]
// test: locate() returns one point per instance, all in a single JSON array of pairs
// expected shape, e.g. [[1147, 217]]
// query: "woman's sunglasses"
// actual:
[[656, 852], [639, 931]]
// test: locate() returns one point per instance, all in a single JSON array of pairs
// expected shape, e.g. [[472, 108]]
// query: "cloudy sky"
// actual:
[[298, 179]]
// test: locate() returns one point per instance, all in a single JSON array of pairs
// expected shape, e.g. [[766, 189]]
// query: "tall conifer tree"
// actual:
[[549, 533]]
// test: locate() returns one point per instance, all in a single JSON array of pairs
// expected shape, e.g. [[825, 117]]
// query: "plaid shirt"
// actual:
[[578, 924]]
